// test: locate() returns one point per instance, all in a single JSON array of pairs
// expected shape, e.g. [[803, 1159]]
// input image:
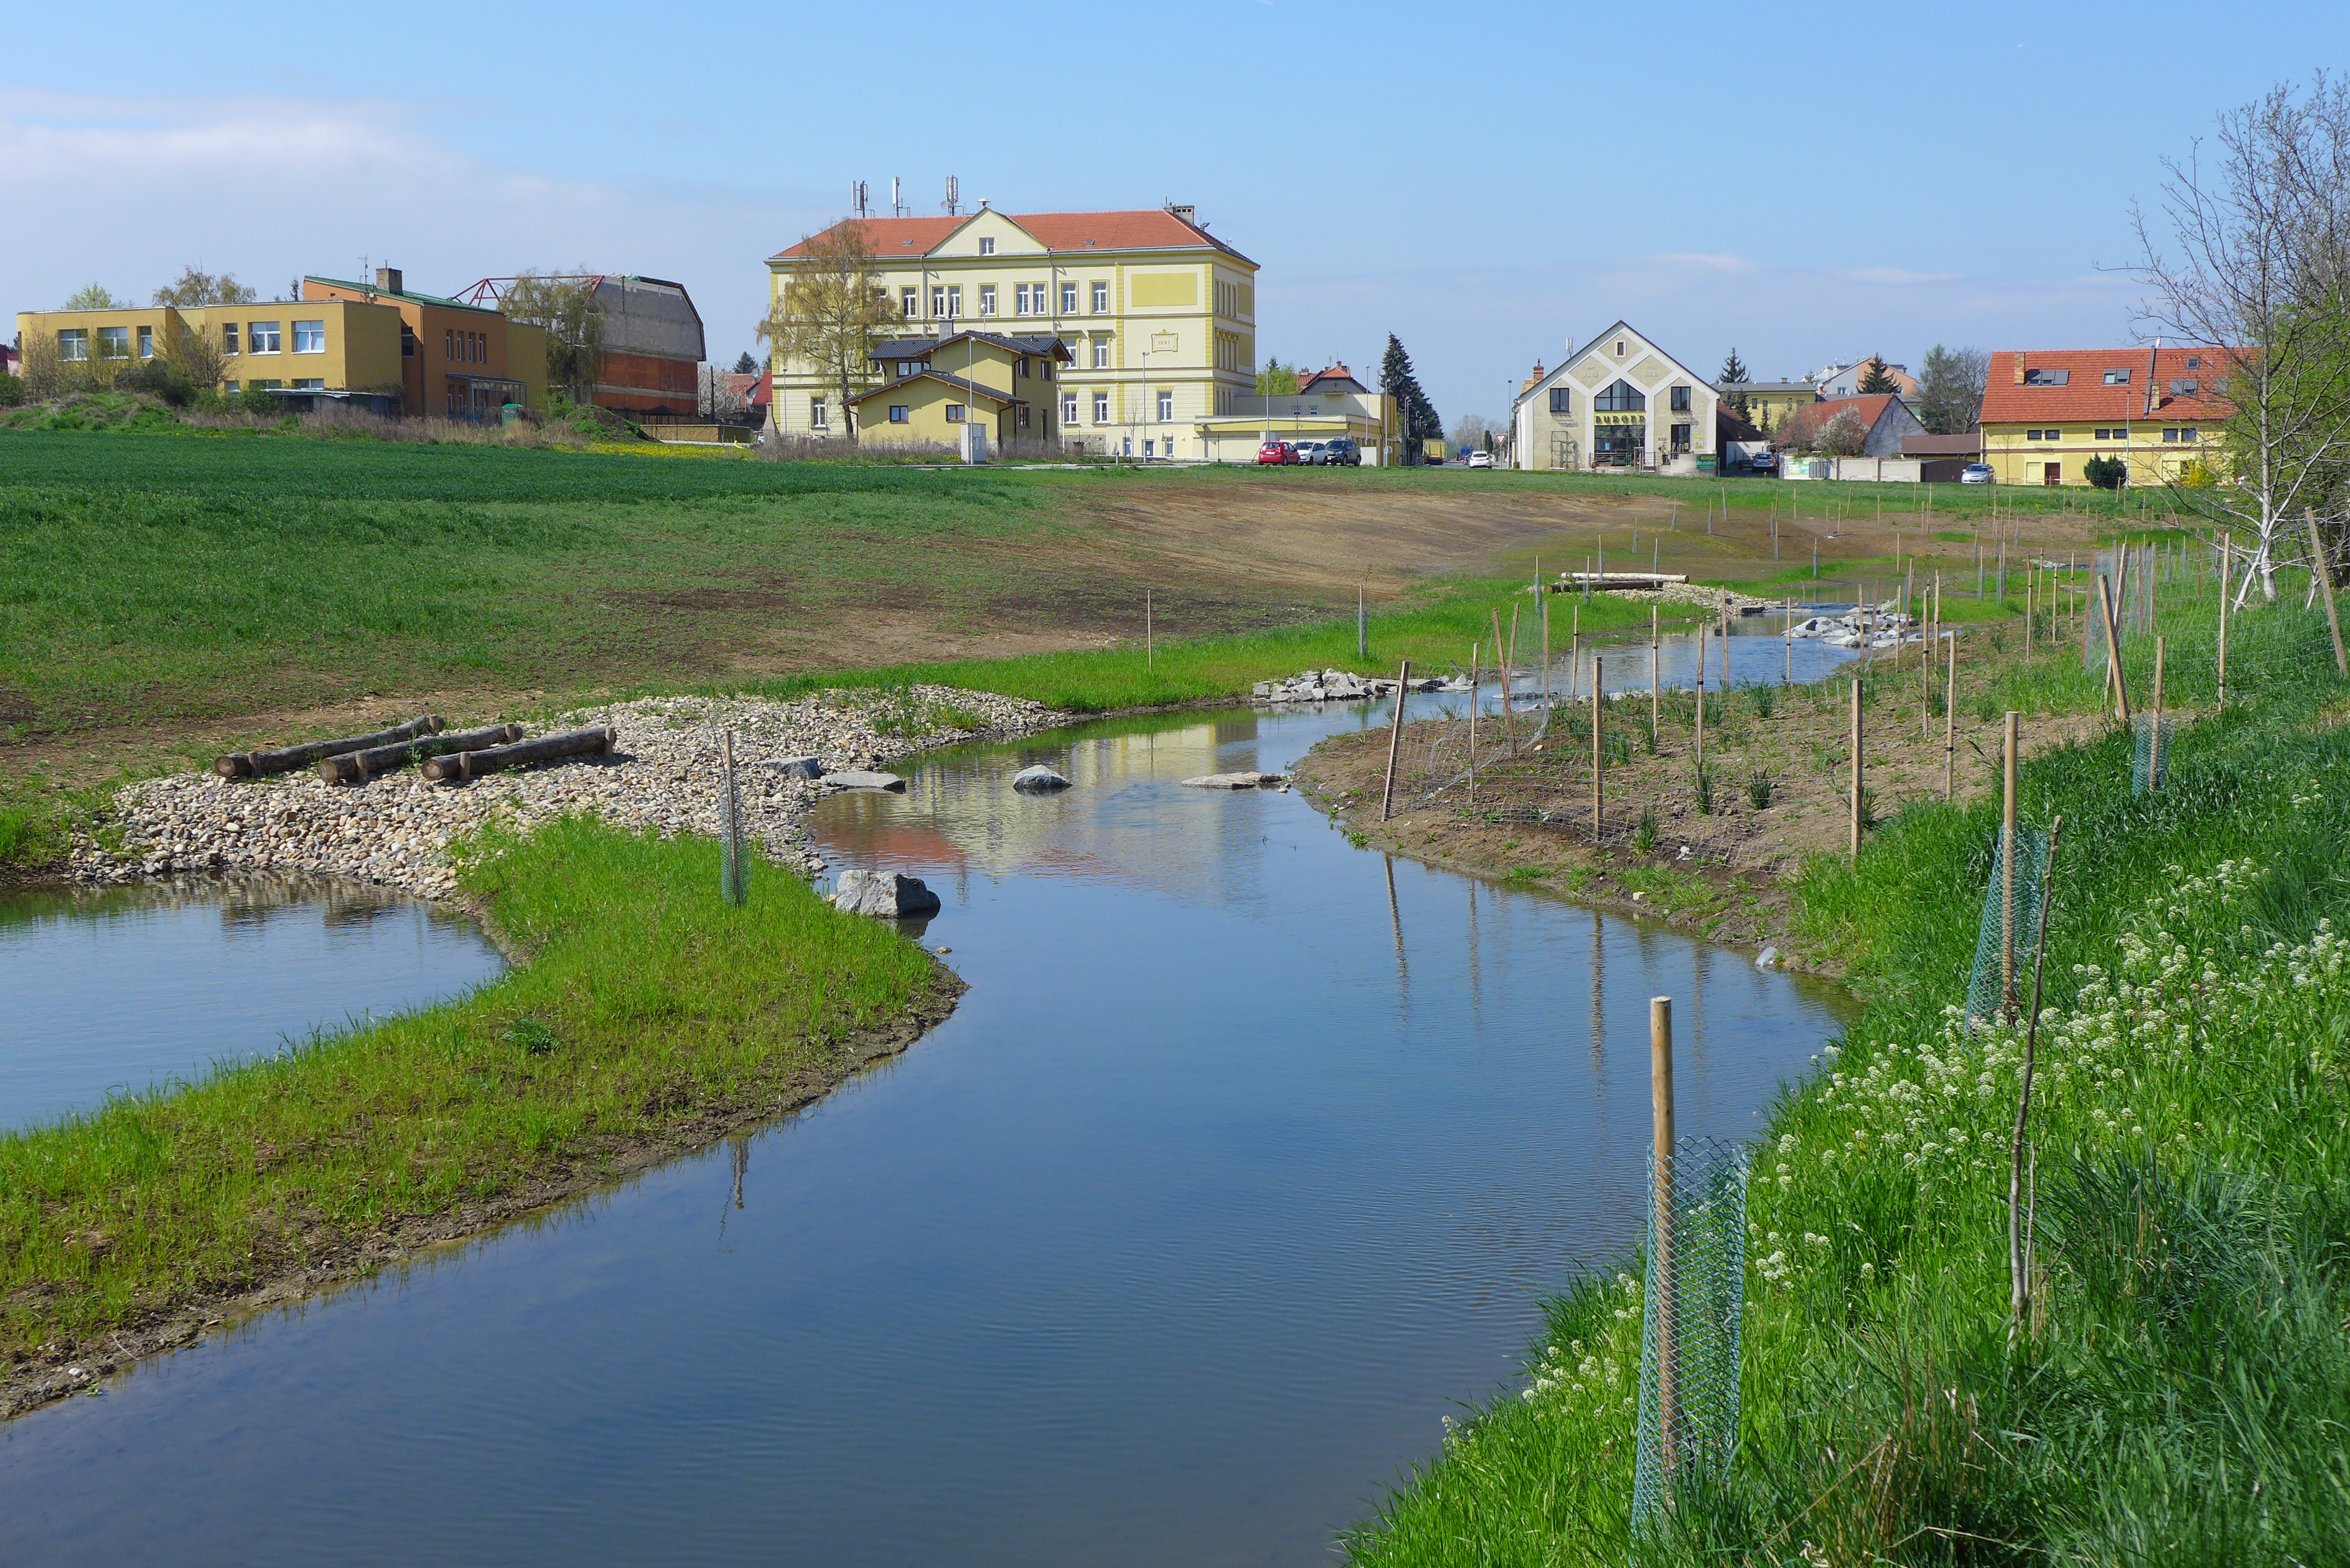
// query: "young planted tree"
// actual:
[[1950, 392], [566, 304], [1276, 380], [1734, 375], [1876, 379], [2257, 272], [1842, 436], [830, 315], [90, 296], [196, 287]]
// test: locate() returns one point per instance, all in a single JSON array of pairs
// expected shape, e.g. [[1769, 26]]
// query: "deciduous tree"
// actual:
[[566, 304], [90, 296], [1275, 380], [196, 287], [1950, 392], [831, 312]]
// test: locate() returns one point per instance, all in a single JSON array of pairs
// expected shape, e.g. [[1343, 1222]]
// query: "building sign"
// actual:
[[1632, 417]]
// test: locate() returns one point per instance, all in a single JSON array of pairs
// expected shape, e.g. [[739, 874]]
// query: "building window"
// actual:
[[1681, 432], [2117, 377], [2188, 432], [1019, 300], [818, 417], [228, 337], [2185, 387], [114, 343], [1620, 348], [1068, 407], [2195, 361], [310, 384], [1101, 353], [1621, 397], [1166, 408], [1681, 400], [1023, 366], [261, 338], [896, 413], [407, 341], [1562, 400], [2170, 434], [987, 244], [309, 337], [2047, 378], [954, 413], [447, 343], [146, 343], [987, 299], [1069, 300], [1024, 416], [909, 302], [1101, 408], [1101, 299], [912, 366], [73, 344], [229, 388]]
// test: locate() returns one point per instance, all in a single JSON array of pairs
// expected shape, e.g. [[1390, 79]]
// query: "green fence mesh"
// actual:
[[1987, 988], [2152, 764], [1689, 1332], [734, 884]]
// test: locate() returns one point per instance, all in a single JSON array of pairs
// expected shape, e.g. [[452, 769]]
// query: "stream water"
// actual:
[[1247, 1157]]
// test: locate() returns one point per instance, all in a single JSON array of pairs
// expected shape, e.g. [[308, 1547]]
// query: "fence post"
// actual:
[[1149, 646], [1395, 741], [1950, 724], [1362, 626], [1701, 694], [1597, 697], [2113, 646], [1654, 649], [1856, 770], [1473, 726], [2007, 873], [1660, 1261], [2326, 581]]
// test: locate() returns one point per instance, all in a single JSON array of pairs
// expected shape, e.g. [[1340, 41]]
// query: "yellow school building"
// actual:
[[2046, 413]]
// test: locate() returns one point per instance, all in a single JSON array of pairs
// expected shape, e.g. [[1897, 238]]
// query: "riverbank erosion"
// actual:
[[644, 1018]]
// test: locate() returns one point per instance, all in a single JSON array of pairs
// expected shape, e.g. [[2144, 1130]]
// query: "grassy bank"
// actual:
[[2181, 1393], [648, 1017]]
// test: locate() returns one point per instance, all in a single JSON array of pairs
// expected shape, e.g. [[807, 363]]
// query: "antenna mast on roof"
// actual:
[[857, 196], [897, 199], [954, 196]]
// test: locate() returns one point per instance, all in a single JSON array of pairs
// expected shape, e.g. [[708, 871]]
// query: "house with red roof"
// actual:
[[1158, 317], [1885, 421], [2046, 413]]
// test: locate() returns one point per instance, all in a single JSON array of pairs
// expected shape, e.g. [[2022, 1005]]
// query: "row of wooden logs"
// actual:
[[449, 756]]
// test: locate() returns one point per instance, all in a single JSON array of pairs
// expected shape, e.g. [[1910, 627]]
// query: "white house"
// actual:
[[1618, 401]]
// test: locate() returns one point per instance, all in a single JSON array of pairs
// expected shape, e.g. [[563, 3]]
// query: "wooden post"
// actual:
[[2227, 571], [1654, 649], [1856, 770], [1473, 726], [1598, 701], [1395, 741], [1362, 626], [2113, 647], [1573, 651], [2326, 581], [1502, 656], [1662, 1294], [1701, 694], [1545, 602], [1950, 724], [2007, 998], [1150, 651], [1725, 643], [2154, 741]]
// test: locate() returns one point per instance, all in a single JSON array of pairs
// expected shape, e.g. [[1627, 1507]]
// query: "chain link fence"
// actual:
[[2151, 766], [2004, 939], [1688, 1329]]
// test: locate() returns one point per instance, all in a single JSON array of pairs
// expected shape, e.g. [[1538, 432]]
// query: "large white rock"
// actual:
[[862, 778], [1039, 778], [796, 767], [891, 895]]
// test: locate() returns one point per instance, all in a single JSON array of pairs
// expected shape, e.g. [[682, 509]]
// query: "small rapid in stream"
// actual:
[[1245, 1160]]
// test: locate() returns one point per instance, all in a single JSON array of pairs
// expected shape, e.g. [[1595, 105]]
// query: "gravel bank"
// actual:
[[396, 831]]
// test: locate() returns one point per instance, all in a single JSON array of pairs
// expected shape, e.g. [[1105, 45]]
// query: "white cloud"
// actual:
[[1893, 274]]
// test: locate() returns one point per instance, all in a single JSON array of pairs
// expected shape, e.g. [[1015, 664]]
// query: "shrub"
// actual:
[[2106, 472], [160, 378], [1644, 835], [1703, 785], [256, 400], [12, 390], [1758, 790]]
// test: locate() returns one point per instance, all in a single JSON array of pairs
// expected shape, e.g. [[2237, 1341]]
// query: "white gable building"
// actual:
[[1618, 401]]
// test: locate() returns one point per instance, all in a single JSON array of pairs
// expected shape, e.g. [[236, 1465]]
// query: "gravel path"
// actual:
[[664, 773]]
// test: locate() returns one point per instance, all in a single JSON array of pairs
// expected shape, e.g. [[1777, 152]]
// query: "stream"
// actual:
[[1245, 1160]]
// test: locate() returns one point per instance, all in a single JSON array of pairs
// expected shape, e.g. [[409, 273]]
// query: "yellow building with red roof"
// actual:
[[1157, 315], [2047, 412]]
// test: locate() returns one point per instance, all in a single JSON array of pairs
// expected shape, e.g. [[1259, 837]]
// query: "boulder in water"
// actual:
[[1039, 779], [863, 778], [890, 895]]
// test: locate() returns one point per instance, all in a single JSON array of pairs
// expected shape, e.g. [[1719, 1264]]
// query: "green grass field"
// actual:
[[2181, 1391]]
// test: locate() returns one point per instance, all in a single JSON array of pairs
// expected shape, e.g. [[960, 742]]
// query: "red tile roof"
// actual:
[[2085, 395], [1337, 372], [1152, 229]]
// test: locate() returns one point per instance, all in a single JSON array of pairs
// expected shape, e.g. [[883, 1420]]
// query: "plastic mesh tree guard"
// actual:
[[2152, 764], [2003, 962], [1688, 1331]]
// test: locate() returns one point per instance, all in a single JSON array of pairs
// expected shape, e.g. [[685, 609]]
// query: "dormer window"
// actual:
[[2184, 388], [987, 244], [2195, 361], [2117, 377], [2047, 378]]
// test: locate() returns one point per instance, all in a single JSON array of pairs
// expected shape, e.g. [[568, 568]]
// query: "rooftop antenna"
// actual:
[[857, 196], [954, 195], [897, 198]]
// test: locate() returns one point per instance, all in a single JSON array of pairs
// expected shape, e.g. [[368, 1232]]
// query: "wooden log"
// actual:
[[257, 764], [459, 765], [358, 767]]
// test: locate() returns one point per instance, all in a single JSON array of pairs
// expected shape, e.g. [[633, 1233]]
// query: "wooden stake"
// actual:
[[1473, 726], [1362, 626], [2227, 570], [2326, 581], [1395, 741], [1598, 700], [1856, 770], [2154, 741], [1545, 602], [1660, 1259], [1701, 694], [1653, 680], [1950, 725], [2007, 997], [1150, 651], [2113, 647], [1502, 653]]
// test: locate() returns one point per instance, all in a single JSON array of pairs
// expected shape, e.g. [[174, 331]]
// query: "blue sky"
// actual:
[[1809, 184]]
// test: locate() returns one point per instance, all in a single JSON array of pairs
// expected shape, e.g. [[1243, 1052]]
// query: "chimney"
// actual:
[[2153, 383], [2018, 367], [387, 280], [1186, 212]]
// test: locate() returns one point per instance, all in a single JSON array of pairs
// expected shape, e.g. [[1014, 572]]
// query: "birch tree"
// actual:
[[832, 310], [2254, 271]]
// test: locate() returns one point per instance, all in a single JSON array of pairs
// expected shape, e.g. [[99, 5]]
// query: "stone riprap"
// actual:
[[663, 774], [1245, 780], [1339, 686]]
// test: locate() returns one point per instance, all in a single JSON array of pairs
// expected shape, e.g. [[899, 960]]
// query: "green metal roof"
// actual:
[[410, 294]]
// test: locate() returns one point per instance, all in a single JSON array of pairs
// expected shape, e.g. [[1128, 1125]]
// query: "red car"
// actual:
[[1276, 451]]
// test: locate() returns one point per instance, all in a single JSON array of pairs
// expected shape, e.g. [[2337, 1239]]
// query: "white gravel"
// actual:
[[664, 773]]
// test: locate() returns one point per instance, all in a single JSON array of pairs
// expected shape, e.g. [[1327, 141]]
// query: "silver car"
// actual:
[[1312, 451]]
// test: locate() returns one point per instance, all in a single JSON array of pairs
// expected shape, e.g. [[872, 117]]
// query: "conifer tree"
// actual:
[[1733, 374], [1875, 378], [1413, 410]]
